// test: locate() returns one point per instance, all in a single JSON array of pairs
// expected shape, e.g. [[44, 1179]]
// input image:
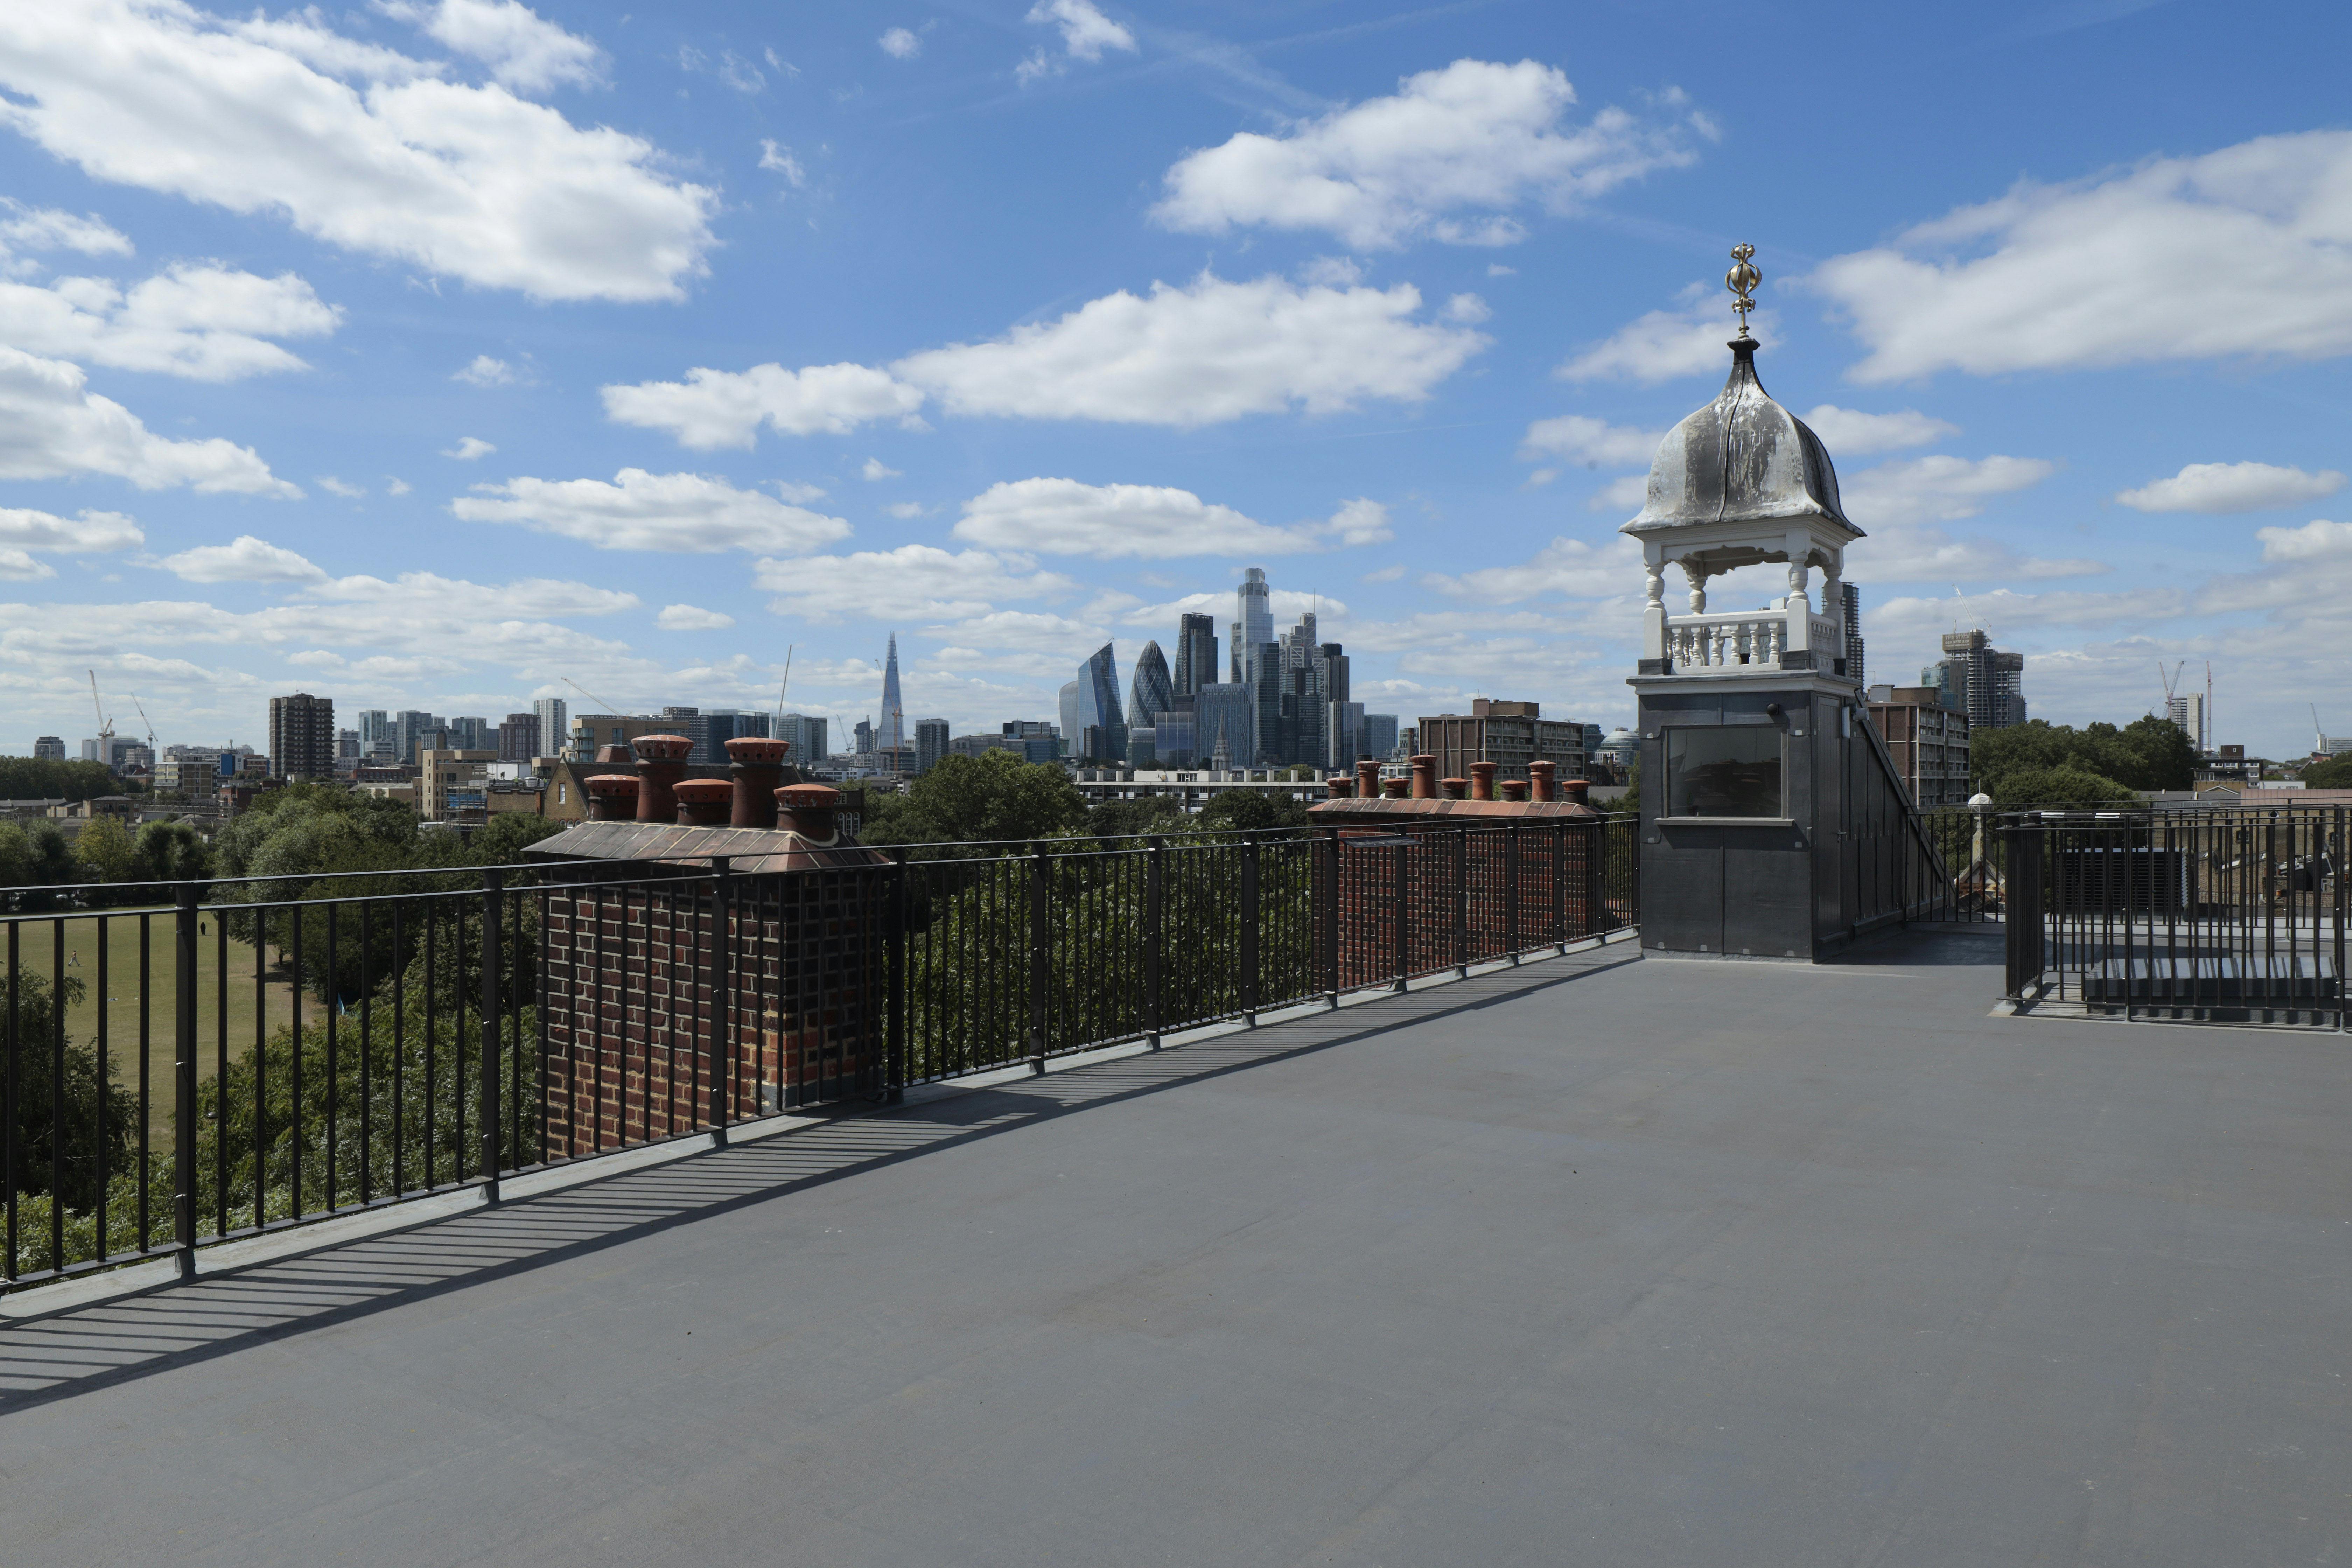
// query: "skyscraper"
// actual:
[[1151, 692], [375, 731], [1070, 718], [1196, 654], [2187, 710], [1252, 622], [554, 723], [1979, 681], [1102, 729], [301, 737], [805, 736], [890, 736], [518, 738], [1224, 715]]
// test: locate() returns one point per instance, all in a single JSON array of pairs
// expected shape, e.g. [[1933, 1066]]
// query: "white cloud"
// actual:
[[726, 408], [1847, 433], [2318, 539], [1467, 309], [248, 560], [2231, 488], [467, 448], [468, 181], [901, 44], [1623, 495], [207, 323], [335, 487], [1064, 517], [1287, 605], [1566, 568], [91, 532], [392, 487], [685, 513], [1497, 269], [778, 159], [690, 618], [1387, 574], [876, 470], [1665, 345], [2236, 252], [1595, 443], [798, 494], [1360, 521], [1086, 34], [486, 372], [906, 508], [1935, 489], [1199, 354], [51, 425], [523, 50], [914, 581], [48, 228], [1475, 138]]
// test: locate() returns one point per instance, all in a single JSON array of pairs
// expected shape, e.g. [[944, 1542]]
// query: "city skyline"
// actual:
[[416, 447]]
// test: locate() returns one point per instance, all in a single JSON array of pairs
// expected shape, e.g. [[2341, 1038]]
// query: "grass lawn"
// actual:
[[37, 949]]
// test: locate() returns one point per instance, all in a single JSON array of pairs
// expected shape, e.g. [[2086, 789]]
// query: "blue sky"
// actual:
[[428, 353]]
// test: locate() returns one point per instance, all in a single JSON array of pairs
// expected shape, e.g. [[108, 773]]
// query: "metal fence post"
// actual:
[[721, 1045], [1462, 903], [1041, 956], [1328, 921], [1511, 891], [491, 1132], [1154, 913], [1249, 931], [1403, 904], [1559, 886], [2336, 860], [184, 1088], [893, 1090]]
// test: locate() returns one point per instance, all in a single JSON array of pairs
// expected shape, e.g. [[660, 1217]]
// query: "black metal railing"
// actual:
[[244, 1055], [2232, 914]]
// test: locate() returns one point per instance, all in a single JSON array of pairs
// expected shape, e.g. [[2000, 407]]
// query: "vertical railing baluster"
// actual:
[[1155, 853], [893, 1067], [1462, 903], [492, 1131], [183, 1075], [1249, 932], [367, 1053], [146, 1101], [723, 1001], [1403, 904], [1041, 957], [1328, 920], [12, 1092], [294, 1015], [1511, 891], [334, 1012], [57, 1094]]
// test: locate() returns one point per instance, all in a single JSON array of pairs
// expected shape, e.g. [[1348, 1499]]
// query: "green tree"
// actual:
[[42, 778], [995, 797], [2334, 773], [35, 855], [1249, 810], [1136, 818], [171, 852], [2145, 755], [2027, 787], [104, 850], [54, 1116]]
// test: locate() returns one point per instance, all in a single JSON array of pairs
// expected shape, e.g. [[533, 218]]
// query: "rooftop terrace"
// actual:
[[1599, 1259]]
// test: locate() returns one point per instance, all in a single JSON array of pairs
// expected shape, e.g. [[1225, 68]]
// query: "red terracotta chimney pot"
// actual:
[[1424, 777], [1367, 777], [811, 810], [1482, 781], [1339, 786], [1542, 776], [612, 798], [1455, 789], [1395, 789], [661, 763], [1514, 789], [703, 803]]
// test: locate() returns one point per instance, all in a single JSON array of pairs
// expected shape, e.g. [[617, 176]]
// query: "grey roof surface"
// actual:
[[1608, 1261]]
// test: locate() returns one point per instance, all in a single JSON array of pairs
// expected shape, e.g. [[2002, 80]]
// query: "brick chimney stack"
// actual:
[[759, 773], [661, 763]]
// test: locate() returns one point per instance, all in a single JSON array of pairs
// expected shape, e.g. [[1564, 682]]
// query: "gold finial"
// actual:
[[1742, 280]]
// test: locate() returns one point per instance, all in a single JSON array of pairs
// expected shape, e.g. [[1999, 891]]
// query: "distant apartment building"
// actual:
[[452, 781], [1849, 601], [931, 743], [1379, 735], [301, 737], [49, 748], [1508, 734], [347, 749], [591, 732], [2187, 710], [555, 716], [375, 733], [1927, 739], [518, 738], [805, 734]]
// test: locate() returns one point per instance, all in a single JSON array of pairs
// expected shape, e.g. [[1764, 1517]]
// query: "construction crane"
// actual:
[[787, 683], [590, 695], [2318, 733], [2171, 682], [105, 724]]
